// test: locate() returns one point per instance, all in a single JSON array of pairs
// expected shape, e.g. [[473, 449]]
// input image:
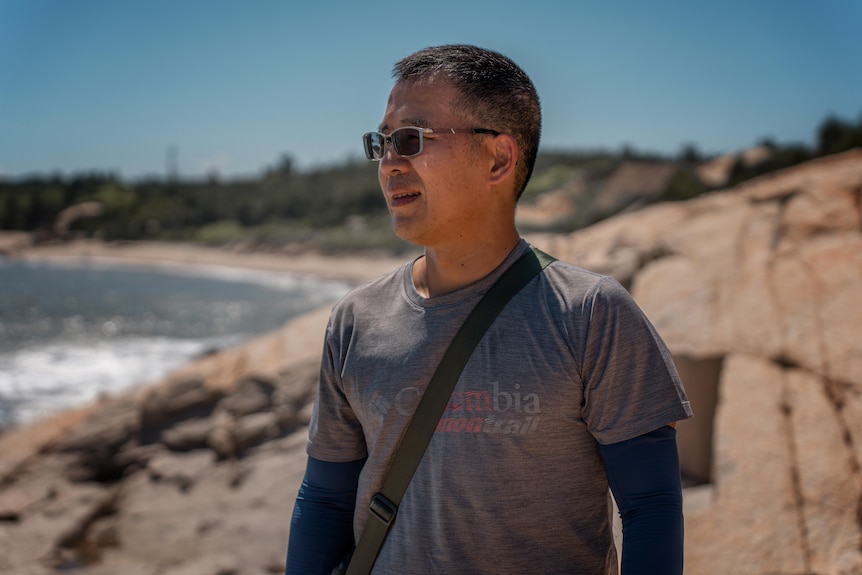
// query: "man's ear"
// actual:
[[505, 158]]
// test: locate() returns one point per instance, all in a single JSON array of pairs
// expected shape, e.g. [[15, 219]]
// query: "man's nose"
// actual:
[[390, 161]]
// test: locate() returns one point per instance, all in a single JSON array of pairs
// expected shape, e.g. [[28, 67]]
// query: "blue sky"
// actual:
[[111, 85]]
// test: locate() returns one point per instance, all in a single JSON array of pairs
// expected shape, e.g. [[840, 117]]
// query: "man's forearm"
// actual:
[[643, 474], [321, 528]]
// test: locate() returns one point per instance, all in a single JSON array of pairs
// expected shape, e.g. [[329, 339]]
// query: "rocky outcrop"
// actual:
[[757, 292], [756, 289], [70, 215], [591, 195], [194, 475]]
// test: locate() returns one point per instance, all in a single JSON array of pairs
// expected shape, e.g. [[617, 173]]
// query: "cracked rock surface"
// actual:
[[767, 278]]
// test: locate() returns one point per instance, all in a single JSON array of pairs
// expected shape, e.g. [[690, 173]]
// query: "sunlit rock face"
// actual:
[[758, 292]]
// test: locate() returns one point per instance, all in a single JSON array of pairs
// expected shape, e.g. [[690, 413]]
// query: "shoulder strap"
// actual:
[[384, 505]]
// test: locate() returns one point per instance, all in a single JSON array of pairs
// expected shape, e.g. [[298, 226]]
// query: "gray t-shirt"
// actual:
[[512, 481]]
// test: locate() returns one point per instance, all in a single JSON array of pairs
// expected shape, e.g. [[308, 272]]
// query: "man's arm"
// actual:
[[321, 528], [644, 477]]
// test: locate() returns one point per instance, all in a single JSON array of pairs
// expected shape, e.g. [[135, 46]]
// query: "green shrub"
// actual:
[[219, 233], [683, 185]]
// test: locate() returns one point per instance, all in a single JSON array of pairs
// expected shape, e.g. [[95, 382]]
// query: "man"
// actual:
[[570, 390]]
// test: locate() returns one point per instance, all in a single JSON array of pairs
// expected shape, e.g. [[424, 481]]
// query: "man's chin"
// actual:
[[408, 234]]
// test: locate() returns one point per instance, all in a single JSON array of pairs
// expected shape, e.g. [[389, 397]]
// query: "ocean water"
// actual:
[[71, 332]]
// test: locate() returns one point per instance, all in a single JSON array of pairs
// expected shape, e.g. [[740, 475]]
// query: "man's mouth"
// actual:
[[399, 199]]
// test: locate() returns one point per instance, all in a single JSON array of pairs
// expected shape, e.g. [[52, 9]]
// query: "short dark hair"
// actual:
[[494, 91]]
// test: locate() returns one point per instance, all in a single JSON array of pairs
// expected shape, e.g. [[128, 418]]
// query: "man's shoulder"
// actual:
[[561, 273]]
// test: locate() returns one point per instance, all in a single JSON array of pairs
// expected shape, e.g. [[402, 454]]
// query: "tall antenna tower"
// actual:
[[172, 163]]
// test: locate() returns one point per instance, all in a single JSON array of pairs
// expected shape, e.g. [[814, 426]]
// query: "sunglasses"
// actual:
[[408, 141]]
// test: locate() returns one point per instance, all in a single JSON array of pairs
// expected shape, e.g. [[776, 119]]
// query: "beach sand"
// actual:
[[351, 268]]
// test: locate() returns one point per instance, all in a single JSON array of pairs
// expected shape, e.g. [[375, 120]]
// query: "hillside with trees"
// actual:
[[339, 208]]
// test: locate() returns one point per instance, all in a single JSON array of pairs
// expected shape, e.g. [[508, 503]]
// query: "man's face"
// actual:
[[439, 196]]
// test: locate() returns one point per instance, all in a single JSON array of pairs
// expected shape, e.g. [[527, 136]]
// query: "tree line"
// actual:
[[334, 208]]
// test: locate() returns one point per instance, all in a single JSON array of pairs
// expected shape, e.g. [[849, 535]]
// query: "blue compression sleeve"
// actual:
[[321, 528], [644, 477]]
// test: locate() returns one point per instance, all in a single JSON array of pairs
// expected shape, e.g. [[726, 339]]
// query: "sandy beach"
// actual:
[[351, 268]]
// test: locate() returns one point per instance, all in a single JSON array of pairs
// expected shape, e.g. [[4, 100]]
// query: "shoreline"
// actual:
[[193, 259], [351, 268]]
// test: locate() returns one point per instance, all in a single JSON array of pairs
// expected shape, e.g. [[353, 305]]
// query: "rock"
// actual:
[[187, 435], [68, 216], [255, 429], [14, 504], [716, 172], [633, 182], [18, 446], [251, 395], [52, 533], [164, 406], [827, 475], [95, 443], [226, 502], [182, 470], [221, 438], [763, 281], [294, 396], [753, 523]]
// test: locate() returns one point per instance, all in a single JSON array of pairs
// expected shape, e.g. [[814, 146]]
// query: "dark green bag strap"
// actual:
[[417, 436]]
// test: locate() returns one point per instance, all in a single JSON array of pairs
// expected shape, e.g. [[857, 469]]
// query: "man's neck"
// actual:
[[445, 270]]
